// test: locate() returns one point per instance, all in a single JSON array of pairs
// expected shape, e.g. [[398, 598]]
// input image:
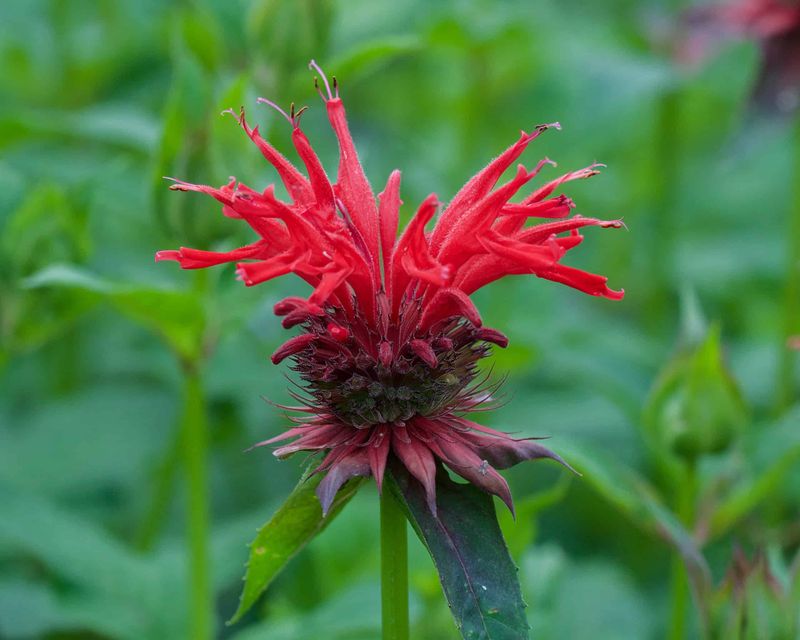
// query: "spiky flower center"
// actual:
[[366, 380]]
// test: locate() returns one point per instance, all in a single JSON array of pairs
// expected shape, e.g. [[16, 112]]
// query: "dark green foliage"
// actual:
[[100, 100], [477, 574]]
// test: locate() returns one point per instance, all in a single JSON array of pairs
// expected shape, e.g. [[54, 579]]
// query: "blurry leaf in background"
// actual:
[[773, 451], [177, 315], [634, 498], [100, 99], [752, 602]]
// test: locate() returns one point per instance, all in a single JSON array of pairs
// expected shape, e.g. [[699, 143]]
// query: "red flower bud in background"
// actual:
[[390, 341], [774, 24]]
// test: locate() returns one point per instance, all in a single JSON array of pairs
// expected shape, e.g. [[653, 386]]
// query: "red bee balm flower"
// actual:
[[390, 339]]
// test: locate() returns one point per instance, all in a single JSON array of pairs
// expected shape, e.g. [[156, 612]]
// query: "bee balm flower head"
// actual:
[[389, 339]]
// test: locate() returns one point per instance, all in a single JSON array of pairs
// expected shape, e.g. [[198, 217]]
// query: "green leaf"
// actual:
[[777, 450], [636, 499], [478, 576], [293, 525], [365, 56], [71, 547], [178, 316]]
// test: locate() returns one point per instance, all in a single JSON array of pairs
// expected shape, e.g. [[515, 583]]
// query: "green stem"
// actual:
[[394, 568], [664, 182], [164, 484], [195, 451], [791, 318], [679, 594]]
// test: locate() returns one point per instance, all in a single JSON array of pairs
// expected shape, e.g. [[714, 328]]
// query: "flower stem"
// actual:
[[195, 451], [680, 580], [791, 319], [164, 481], [394, 568], [664, 181]]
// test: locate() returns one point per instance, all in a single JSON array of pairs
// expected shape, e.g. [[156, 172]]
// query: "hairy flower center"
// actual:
[[425, 376]]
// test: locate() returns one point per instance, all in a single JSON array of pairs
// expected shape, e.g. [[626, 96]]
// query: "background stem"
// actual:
[[394, 569], [791, 317], [679, 595], [665, 184], [195, 450]]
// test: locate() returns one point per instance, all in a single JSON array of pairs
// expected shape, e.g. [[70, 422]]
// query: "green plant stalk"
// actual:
[[164, 481], [679, 590], [791, 314], [195, 452], [394, 568], [664, 179]]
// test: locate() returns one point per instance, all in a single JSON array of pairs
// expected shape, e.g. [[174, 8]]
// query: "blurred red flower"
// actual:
[[774, 24], [390, 339]]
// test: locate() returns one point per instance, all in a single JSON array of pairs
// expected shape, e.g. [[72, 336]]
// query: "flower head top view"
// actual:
[[389, 339]]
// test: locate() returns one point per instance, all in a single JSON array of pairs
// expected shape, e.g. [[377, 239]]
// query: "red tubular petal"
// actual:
[[447, 303], [331, 280], [252, 273], [425, 352], [223, 194], [481, 184], [323, 191], [294, 181], [542, 232], [558, 207], [418, 459], [338, 333], [293, 303], [389, 216], [411, 242], [385, 354], [352, 465], [547, 189], [197, 259], [536, 258], [492, 335], [353, 186], [292, 346], [433, 273], [168, 254], [590, 283], [462, 241]]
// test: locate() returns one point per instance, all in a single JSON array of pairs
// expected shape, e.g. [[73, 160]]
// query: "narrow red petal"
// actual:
[[352, 185], [292, 346], [463, 459], [389, 216], [447, 303], [418, 459], [482, 183], [425, 352], [294, 181], [378, 452], [356, 464]]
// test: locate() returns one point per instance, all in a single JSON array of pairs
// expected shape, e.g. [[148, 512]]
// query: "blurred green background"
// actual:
[[678, 404]]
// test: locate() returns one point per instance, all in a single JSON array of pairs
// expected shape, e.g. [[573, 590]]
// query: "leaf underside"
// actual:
[[293, 525], [478, 577]]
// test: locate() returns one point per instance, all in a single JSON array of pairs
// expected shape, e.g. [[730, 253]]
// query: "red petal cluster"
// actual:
[[395, 311]]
